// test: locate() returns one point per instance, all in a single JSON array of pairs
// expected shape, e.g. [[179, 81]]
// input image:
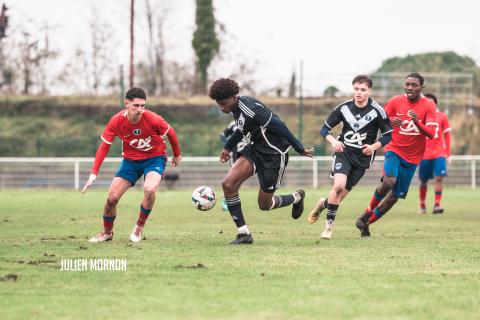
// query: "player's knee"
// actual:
[[149, 192], [388, 184], [112, 200], [264, 206], [338, 189], [228, 185], [438, 179]]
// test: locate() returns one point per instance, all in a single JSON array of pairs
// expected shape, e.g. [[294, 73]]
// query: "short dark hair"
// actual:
[[223, 88], [418, 76], [363, 78], [135, 92], [431, 96]]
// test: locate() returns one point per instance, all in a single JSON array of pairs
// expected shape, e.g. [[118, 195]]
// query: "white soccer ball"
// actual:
[[203, 198]]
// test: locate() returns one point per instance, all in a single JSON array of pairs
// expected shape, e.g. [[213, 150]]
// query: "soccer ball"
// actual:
[[203, 198]]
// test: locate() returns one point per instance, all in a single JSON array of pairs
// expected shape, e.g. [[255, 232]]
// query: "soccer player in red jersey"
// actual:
[[413, 117], [434, 163], [144, 153]]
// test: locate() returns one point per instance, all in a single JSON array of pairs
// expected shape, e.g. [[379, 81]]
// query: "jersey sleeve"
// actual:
[[109, 133], [162, 126], [390, 108], [334, 118], [445, 124], [384, 122]]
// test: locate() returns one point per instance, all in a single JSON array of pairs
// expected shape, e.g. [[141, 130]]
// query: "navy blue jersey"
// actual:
[[360, 126], [253, 119]]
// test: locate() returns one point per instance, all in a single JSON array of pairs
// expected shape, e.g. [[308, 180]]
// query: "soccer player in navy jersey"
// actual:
[[144, 154], [266, 153], [362, 119]]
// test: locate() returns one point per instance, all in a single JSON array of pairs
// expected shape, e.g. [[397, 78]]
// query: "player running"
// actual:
[[362, 119], [266, 153], [413, 117], [142, 133], [435, 158]]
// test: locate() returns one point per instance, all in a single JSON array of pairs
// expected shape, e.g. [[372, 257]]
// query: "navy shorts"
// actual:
[[432, 168], [341, 164], [132, 170], [403, 171], [268, 167]]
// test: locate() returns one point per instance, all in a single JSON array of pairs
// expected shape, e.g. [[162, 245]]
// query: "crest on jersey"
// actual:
[[137, 132]]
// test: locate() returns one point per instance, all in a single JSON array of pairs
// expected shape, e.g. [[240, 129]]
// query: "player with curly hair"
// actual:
[[266, 153]]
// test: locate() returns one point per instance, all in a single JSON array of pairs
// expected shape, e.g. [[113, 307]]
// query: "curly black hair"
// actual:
[[223, 88]]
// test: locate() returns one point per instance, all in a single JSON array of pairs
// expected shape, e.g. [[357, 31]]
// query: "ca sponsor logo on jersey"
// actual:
[[409, 128], [142, 144], [354, 139], [137, 132]]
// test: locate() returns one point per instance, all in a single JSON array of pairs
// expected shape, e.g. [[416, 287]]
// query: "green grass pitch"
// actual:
[[413, 267]]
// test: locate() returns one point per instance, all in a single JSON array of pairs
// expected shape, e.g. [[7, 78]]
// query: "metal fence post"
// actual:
[[315, 172]]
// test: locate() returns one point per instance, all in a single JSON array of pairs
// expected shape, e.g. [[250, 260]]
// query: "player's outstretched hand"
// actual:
[[412, 114], [90, 181], [224, 156], [396, 121], [308, 152], [176, 161]]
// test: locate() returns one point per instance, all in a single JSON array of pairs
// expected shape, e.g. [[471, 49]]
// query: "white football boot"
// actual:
[[101, 237], [136, 235], [327, 233]]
